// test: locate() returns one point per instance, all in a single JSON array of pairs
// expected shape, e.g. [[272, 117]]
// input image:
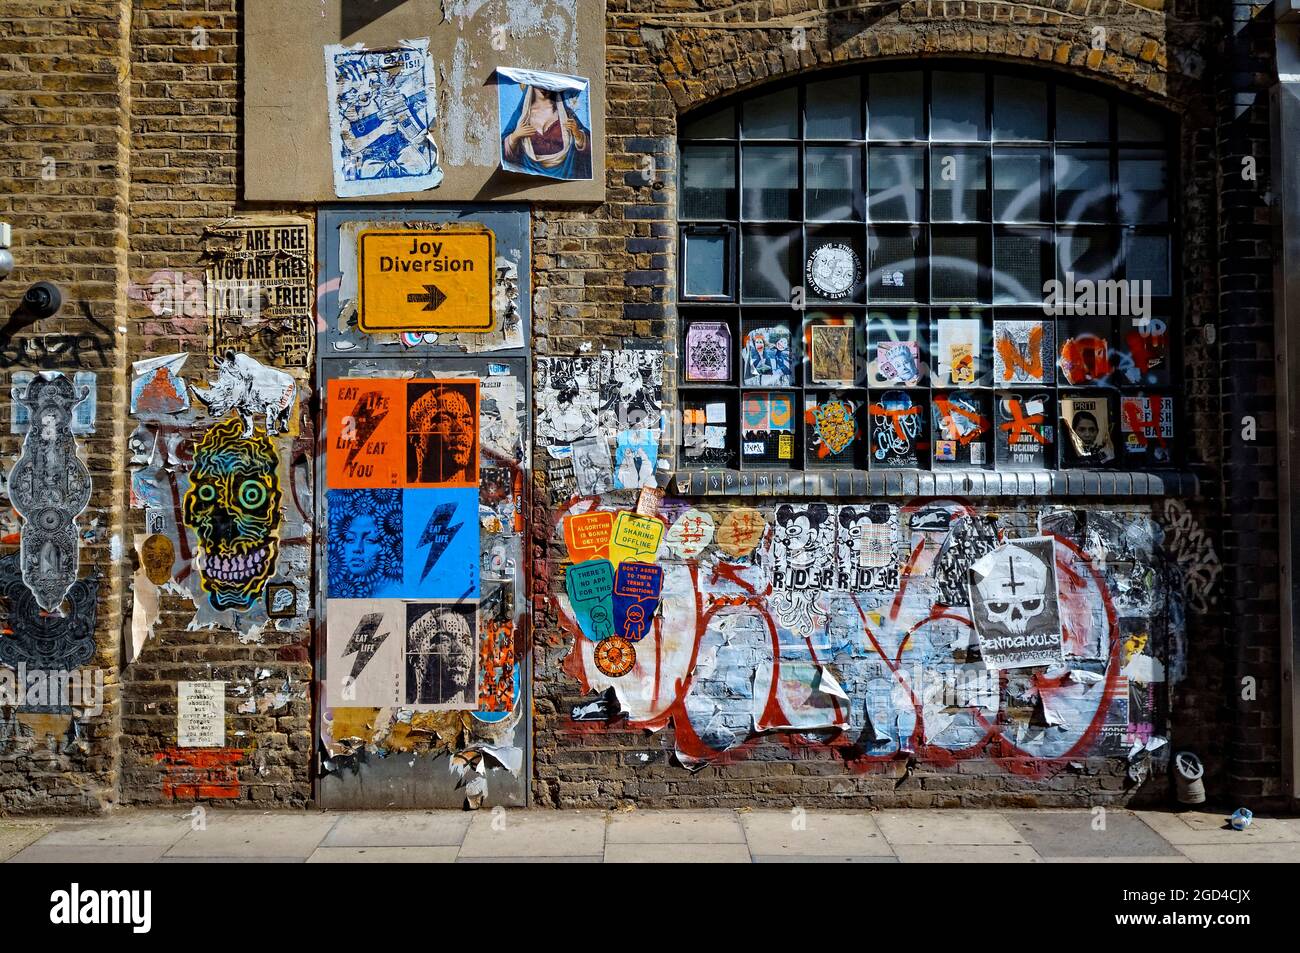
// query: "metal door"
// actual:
[[423, 681]]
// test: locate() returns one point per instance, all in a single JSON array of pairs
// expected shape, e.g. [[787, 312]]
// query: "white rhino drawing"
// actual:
[[250, 388]]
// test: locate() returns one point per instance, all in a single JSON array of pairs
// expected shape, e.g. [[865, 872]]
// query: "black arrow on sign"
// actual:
[[432, 297]]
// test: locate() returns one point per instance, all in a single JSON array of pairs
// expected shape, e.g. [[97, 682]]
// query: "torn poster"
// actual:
[[1014, 607], [250, 388], [545, 123], [382, 108], [157, 386], [260, 287], [200, 714]]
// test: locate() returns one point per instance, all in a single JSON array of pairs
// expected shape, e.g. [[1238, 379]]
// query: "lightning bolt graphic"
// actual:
[[367, 420], [437, 535], [365, 642]]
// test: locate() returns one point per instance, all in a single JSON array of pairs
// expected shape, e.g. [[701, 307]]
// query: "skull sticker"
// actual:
[[1014, 604], [233, 505]]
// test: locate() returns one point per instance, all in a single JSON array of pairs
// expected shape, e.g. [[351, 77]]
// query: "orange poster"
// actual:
[[366, 433], [587, 535]]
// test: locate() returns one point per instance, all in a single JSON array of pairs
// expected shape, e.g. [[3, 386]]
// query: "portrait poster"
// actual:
[[1087, 425], [1022, 353], [961, 428], [1024, 435], [382, 111], [899, 362], [260, 287], [442, 432], [708, 352], [959, 352], [898, 431], [1014, 604], [765, 357], [767, 425], [831, 354], [441, 660], [545, 123], [364, 544]]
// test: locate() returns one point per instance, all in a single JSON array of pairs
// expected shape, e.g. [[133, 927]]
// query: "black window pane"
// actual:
[[1081, 116], [708, 182], [833, 109], [895, 180], [958, 264], [834, 183], [1087, 253], [896, 106], [771, 182], [1019, 108], [770, 260], [1143, 187], [1022, 185], [1138, 125], [707, 265], [774, 116], [1083, 192], [958, 185], [957, 109], [1022, 264], [714, 124], [1146, 258], [895, 264]]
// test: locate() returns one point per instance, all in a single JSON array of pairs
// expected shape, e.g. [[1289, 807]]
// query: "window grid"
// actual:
[[876, 317]]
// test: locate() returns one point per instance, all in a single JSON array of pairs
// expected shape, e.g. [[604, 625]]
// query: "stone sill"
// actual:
[[913, 483]]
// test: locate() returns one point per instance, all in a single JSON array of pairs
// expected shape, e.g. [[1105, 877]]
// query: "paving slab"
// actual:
[[814, 859], [38, 853], [530, 860], [967, 854], [1077, 834], [261, 835], [674, 827], [1207, 827], [677, 854], [384, 855], [1176, 859], [524, 833], [814, 833], [948, 827], [1263, 852], [399, 829], [137, 829], [230, 860], [15, 836]]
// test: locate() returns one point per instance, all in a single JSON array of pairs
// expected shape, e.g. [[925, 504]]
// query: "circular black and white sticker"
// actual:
[[832, 271]]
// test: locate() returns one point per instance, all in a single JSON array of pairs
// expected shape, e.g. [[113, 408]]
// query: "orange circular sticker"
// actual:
[[615, 656], [741, 532]]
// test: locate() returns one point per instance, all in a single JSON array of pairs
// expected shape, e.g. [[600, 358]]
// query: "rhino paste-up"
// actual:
[[250, 388]]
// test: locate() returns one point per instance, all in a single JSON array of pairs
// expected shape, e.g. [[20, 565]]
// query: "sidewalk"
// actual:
[[743, 836]]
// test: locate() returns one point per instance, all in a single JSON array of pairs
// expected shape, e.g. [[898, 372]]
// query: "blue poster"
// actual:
[[365, 543], [440, 543], [545, 123], [382, 110]]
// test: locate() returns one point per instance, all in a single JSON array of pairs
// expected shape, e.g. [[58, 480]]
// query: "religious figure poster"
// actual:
[[545, 123]]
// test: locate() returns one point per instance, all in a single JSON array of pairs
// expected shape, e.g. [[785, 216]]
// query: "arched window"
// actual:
[[928, 268]]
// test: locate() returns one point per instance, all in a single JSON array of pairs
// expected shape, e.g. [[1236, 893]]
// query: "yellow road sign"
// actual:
[[416, 280]]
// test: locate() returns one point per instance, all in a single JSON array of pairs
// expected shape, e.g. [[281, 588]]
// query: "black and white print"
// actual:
[[442, 655], [1014, 604]]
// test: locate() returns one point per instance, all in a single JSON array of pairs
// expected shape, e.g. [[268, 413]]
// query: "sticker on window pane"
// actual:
[[898, 428], [1086, 422], [831, 354], [1022, 352], [1084, 354], [704, 434], [831, 431], [1142, 353], [959, 352], [765, 357], [708, 352], [894, 264], [1147, 426], [1024, 436], [961, 429], [897, 352], [833, 271], [767, 421]]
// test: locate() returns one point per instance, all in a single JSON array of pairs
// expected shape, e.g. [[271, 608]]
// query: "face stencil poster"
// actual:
[[402, 579]]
